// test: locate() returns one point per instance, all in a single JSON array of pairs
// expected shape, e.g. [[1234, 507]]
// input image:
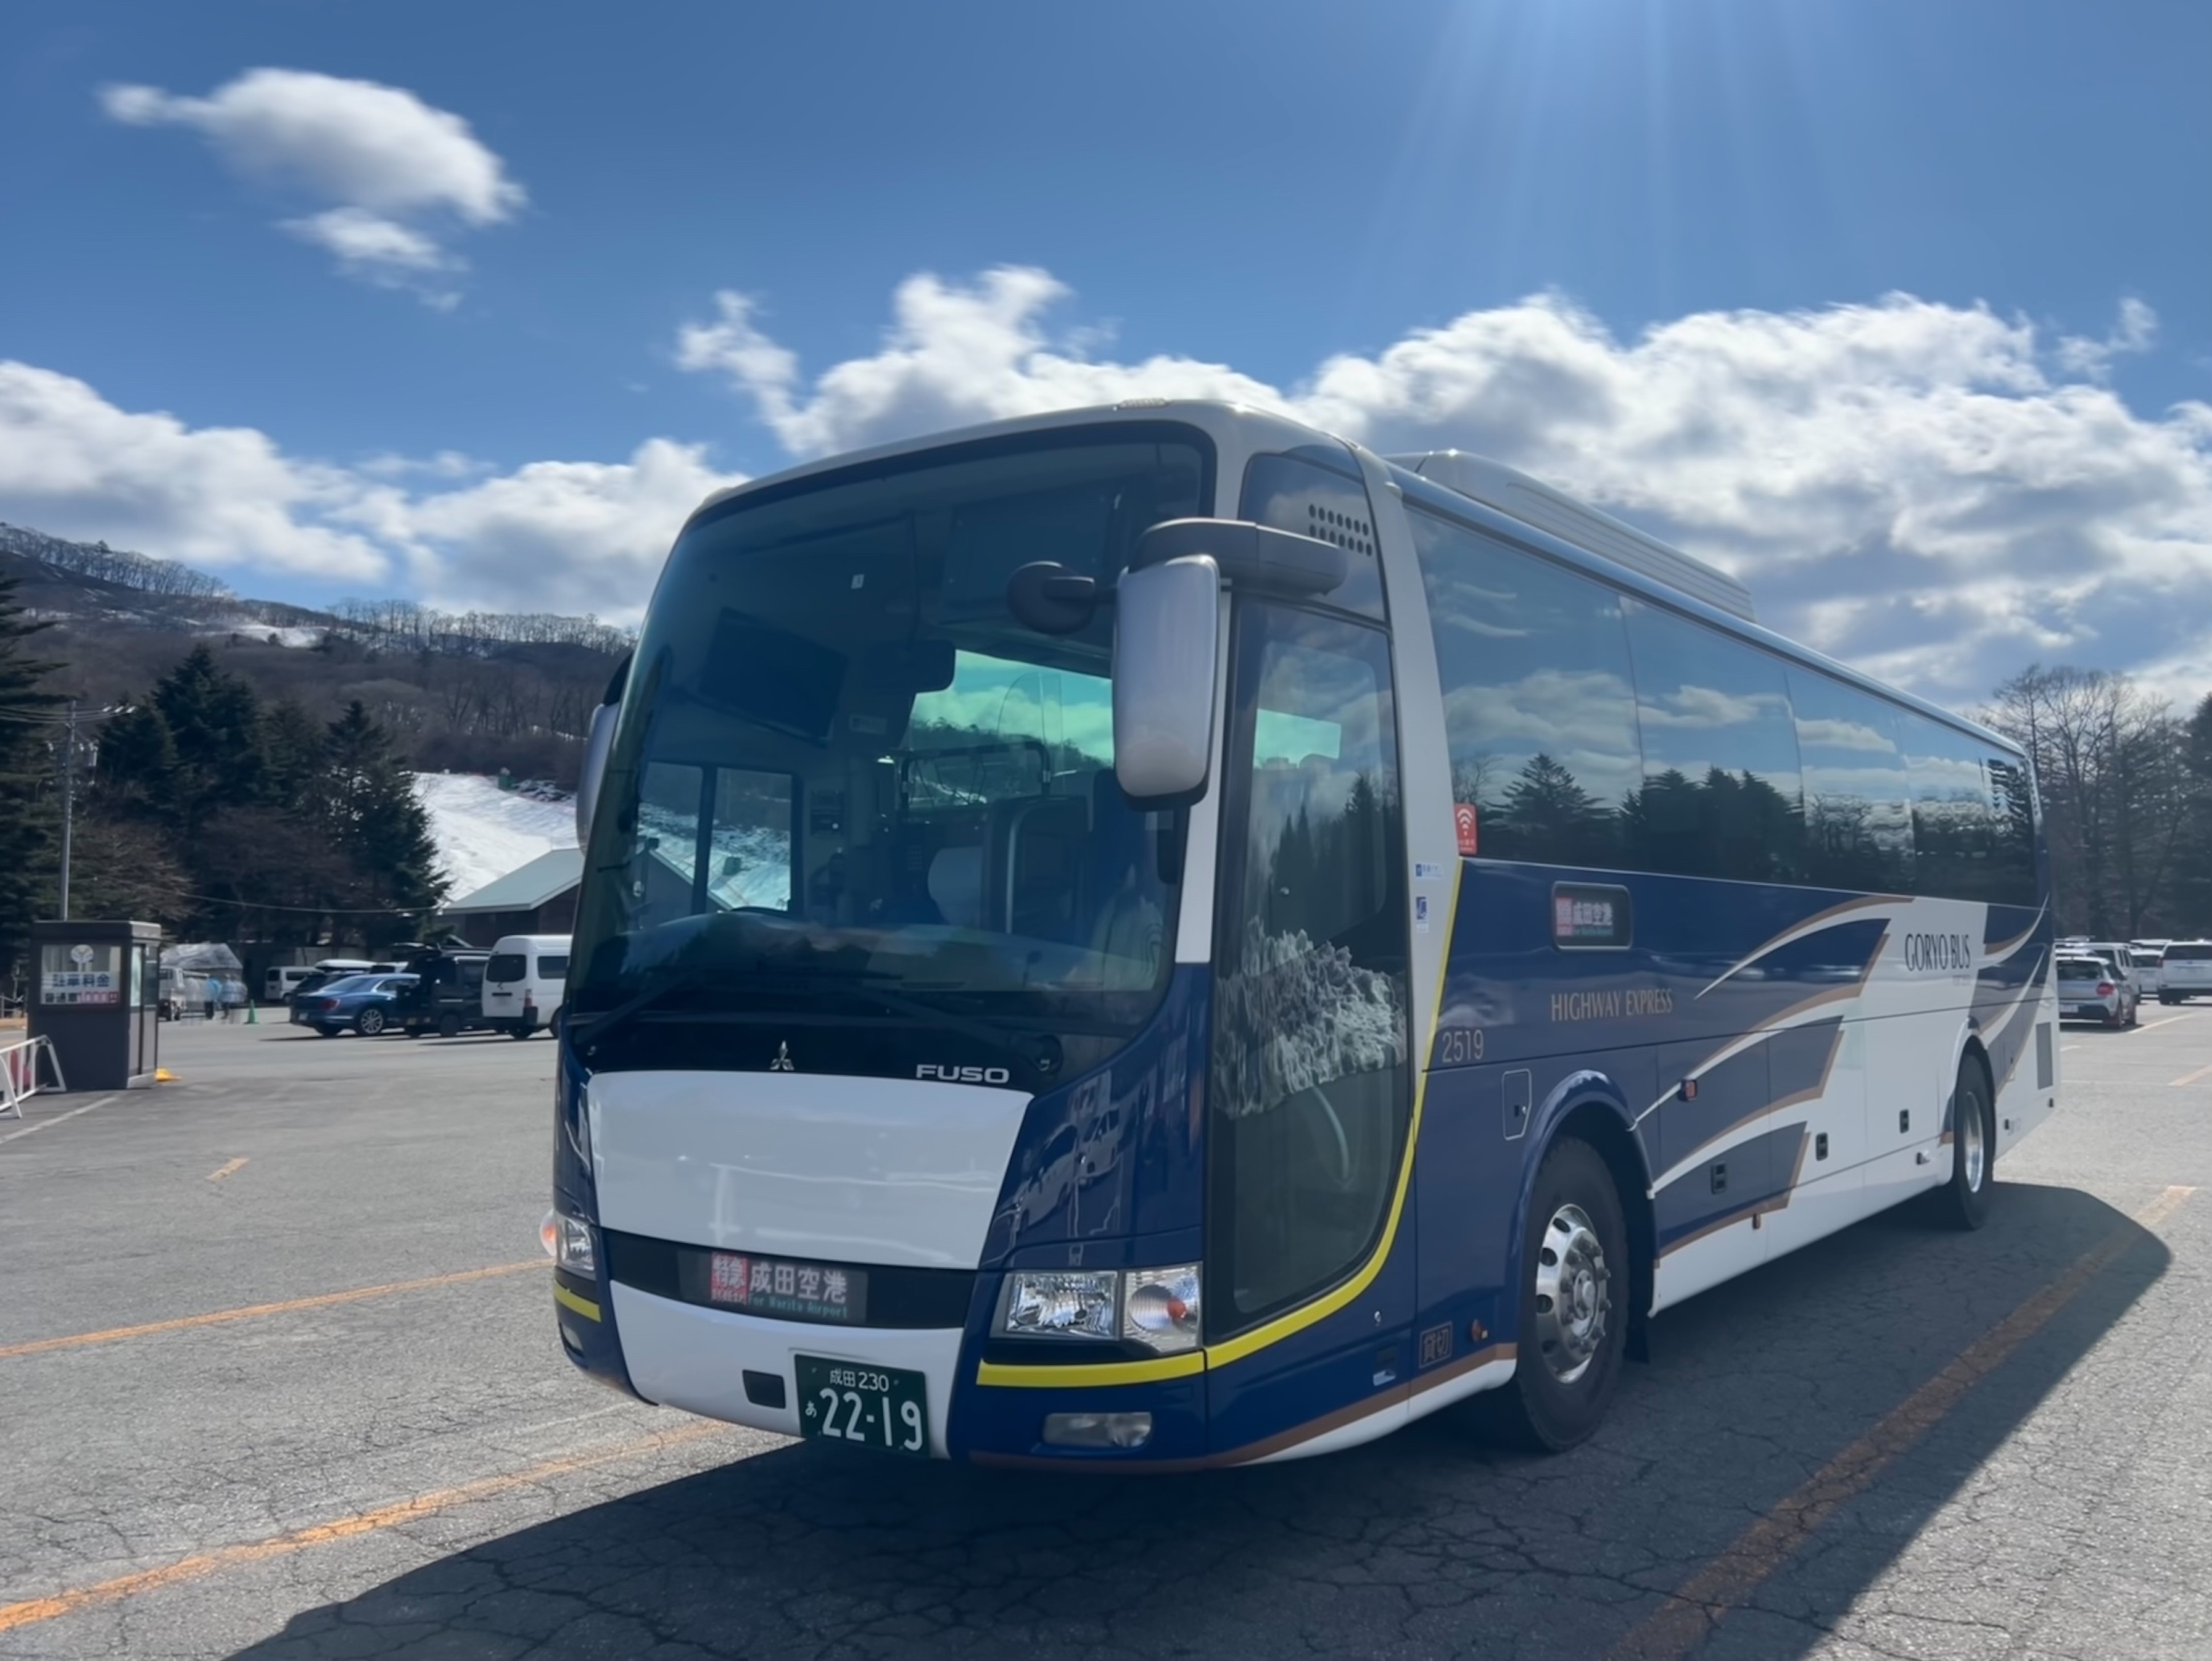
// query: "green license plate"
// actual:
[[882, 1408]]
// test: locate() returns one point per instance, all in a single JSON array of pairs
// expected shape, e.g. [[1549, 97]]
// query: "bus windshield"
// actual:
[[845, 781]]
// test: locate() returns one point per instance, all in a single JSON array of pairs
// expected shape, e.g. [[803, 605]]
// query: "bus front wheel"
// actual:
[[1575, 1291]]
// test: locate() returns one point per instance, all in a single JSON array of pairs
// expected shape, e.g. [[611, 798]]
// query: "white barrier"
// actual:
[[20, 1070]]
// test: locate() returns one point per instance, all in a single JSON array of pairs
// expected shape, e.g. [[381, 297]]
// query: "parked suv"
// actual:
[[2185, 971], [447, 996], [2088, 990]]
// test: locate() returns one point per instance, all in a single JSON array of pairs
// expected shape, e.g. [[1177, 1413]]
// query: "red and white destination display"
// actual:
[[779, 1285]]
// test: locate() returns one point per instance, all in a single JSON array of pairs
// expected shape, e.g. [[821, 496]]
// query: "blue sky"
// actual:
[[520, 274]]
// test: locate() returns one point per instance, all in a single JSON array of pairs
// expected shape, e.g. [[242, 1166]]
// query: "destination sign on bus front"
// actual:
[[778, 1285]]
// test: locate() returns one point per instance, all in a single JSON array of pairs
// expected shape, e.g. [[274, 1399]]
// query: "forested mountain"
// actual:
[[246, 767], [473, 691]]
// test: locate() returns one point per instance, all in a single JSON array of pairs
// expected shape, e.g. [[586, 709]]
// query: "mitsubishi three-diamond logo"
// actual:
[[782, 1061]]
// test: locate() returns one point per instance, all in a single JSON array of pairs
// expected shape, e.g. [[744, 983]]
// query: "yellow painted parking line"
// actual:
[[222, 1171], [1690, 1614], [2189, 1078], [254, 1312], [32, 1610]]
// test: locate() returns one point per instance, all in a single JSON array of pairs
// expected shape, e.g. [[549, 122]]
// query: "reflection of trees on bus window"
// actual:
[[1720, 795], [1540, 709], [1858, 814]]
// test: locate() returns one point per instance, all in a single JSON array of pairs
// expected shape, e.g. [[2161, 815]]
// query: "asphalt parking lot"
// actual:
[[278, 1378]]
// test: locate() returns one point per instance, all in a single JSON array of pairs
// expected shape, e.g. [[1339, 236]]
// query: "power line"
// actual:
[[312, 911]]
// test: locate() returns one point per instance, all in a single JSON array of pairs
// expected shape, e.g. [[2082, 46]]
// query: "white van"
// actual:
[[524, 983], [283, 980]]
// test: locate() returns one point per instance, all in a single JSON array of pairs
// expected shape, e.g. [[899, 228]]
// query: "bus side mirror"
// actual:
[[594, 769], [1166, 636], [597, 746]]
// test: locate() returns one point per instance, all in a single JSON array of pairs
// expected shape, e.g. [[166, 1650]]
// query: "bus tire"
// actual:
[[1964, 1201], [1576, 1281]]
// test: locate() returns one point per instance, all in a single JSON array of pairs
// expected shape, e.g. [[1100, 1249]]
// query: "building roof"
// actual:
[[546, 877]]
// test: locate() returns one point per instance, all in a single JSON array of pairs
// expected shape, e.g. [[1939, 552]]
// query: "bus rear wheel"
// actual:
[[1574, 1284], [1964, 1201]]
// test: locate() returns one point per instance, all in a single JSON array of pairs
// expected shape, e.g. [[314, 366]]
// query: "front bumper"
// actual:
[[683, 1356]]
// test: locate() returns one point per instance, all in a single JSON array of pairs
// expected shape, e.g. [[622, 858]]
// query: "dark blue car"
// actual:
[[361, 1002]]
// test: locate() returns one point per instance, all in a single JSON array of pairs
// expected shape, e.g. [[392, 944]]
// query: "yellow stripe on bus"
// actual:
[[567, 1299], [1098, 1372]]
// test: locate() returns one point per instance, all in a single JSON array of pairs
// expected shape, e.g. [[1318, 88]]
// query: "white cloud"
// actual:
[[393, 164], [2134, 330], [1927, 491], [1930, 491], [224, 498], [559, 536], [547, 536], [952, 357]]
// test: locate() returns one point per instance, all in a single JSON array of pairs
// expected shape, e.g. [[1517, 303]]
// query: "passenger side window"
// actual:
[[1721, 790], [1858, 812], [2012, 854], [1310, 1091], [1955, 824], [1540, 710]]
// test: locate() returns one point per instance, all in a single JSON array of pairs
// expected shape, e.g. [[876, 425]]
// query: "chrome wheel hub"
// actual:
[[1573, 1294], [1973, 1150]]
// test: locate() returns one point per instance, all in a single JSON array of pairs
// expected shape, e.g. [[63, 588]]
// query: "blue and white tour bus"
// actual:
[[1155, 936]]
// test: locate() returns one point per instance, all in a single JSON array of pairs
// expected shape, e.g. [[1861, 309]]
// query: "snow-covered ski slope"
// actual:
[[483, 832]]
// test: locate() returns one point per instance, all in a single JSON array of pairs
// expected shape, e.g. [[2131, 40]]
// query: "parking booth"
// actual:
[[96, 1000]]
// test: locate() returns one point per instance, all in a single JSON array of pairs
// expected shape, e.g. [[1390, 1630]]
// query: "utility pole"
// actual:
[[68, 799], [68, 763]]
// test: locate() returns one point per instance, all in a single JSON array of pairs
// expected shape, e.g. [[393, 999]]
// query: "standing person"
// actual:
[[207, 999]]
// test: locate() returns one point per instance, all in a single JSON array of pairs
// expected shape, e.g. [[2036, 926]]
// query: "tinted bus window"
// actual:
[[1539, 708], [1859, 805], [2012, 850], [1967, 849], [1720, 796]]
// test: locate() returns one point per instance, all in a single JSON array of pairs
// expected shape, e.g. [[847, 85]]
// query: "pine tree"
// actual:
[[1546, 815], [215, 720], [138, 760], [368, 798], [296, 746], [25, 836]]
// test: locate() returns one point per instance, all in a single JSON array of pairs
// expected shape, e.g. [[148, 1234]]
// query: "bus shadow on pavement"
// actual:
[[1427, 1541]]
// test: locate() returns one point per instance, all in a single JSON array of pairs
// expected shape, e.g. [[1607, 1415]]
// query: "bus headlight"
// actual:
[[567, 1242], [1060, 1303], [1159, 1307]]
